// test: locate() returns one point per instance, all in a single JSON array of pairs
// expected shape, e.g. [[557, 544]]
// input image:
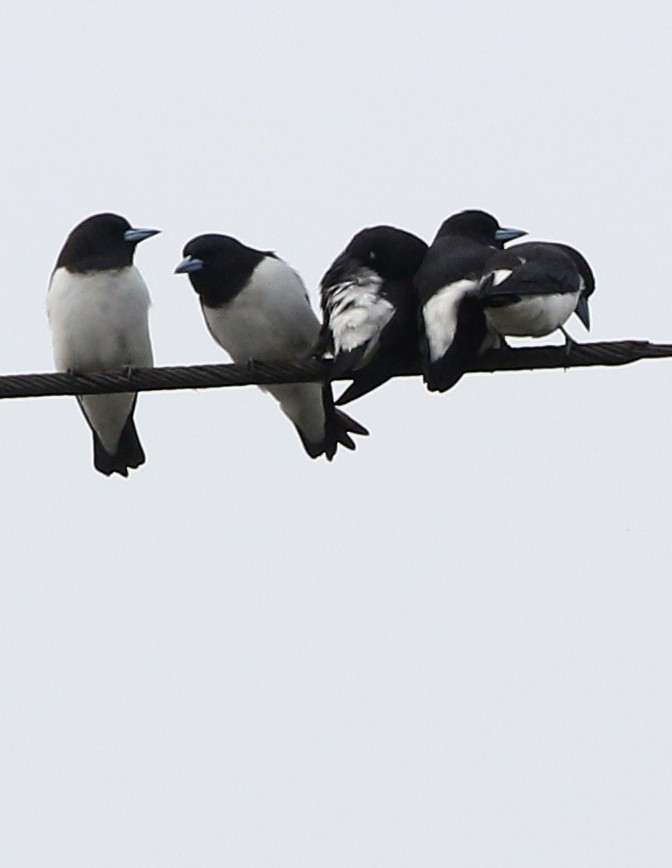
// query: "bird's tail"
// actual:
[[363, 383], [129, 454], [388, 363], [321, 427], [338, 426]]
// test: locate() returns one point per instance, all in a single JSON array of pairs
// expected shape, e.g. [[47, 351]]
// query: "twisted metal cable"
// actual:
[[269, 373]]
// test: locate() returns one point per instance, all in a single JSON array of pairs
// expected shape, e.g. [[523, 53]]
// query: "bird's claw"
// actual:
[[569, 342]]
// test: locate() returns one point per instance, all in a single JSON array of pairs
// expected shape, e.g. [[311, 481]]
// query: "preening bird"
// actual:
[[256, 307], [370, 308], [532, 289], [454, 327], [98, 307]]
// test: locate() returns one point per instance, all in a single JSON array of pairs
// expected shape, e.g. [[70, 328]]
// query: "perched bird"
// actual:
[[532, 289], [370, 310], [98, 306], [256, 307], [454, 328]]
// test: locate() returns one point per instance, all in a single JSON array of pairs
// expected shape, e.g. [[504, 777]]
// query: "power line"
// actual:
[[269, 373]]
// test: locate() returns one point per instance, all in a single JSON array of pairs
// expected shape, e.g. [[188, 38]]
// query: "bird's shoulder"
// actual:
[[449, 261]]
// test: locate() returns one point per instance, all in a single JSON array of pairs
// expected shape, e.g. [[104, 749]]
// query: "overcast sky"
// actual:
[[449, 648]]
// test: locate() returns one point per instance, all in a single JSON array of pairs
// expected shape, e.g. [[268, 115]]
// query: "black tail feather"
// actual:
[[129, 454], [338, 426], [384, 367], [363, 383]]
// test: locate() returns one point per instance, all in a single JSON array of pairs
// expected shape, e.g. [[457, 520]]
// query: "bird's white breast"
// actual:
[[534, 315], [99, 320], [270, 319]]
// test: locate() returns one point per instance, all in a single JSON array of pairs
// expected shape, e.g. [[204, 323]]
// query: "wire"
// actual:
[[311, 370]]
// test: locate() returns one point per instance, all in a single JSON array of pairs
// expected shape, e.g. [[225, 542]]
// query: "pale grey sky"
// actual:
[[449, 648]]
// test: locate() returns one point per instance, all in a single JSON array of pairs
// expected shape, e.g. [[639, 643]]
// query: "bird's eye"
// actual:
[[372, 255]]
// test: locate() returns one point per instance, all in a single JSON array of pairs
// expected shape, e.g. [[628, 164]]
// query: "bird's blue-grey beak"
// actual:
[[583, 312], [189, 264], [136, 235], [506, 234]]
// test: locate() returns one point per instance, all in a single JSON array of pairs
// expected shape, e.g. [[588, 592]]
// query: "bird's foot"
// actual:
[[129, 371], [569, 341]]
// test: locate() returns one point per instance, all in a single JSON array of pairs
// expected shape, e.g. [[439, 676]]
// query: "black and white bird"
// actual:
[[532, 289], [256, 307], [98, 307], [370, 309], [454, 328]]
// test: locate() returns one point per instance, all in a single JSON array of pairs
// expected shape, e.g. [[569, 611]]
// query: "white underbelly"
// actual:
[[533, 316], [99, 322]]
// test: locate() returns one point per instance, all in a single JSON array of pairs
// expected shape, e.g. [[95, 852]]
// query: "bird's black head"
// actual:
[[392, 253], [101, 242], [218, 266], [478, 226]]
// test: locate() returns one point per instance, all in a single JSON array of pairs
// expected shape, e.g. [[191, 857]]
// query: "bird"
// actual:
[[532, 289], [97, 306], [257, 309], [370, 309], [453, 325]]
